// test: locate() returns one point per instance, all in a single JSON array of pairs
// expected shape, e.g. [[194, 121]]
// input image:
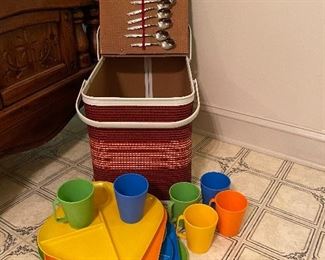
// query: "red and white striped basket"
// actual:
[[150, 136]]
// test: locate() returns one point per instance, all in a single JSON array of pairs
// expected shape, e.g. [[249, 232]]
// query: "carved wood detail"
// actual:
[[28, 51], [45, 54]]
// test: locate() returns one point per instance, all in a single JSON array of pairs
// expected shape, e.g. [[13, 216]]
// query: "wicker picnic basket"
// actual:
[[139, 111]]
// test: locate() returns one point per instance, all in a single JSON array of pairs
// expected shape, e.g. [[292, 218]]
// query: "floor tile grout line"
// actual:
[[237, 157], [261, 208], [286, 169], [261, 173], [317, 234], [242, 153], [202, 144], [263, 250], [16, 247], [295, 184], [199, 144], [45, 181]]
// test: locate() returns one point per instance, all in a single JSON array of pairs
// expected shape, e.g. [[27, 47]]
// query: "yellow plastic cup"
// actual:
[[200, 225]]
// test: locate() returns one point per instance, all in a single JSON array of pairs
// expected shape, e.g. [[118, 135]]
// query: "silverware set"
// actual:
[[164, 22], [166, 45], [161, 14], [160, 35], [139, 2]]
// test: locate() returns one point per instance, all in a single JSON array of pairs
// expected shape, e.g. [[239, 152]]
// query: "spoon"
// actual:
[[159, 35], [161, 14], [162, 24], [139, 2], [166, 45], [159, 7]]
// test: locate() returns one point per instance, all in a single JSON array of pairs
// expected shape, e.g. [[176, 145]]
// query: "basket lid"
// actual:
[[114, 28]]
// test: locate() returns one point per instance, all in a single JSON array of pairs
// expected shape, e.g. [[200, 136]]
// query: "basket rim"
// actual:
[[119, 101]]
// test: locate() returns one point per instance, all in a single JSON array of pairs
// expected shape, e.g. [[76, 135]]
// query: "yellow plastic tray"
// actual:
[[108, 237]]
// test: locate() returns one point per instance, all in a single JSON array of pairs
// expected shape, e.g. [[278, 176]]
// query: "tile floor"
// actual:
[[285, 219]]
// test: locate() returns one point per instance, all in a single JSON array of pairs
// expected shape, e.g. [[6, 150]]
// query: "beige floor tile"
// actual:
[[248, 253], [278, 233], [84, 136], [62, 137], [196, 139], [7, 241], [25, 216], [76, 125], [87, 163], [39, 169], [306, 176], [250, 212], [262, 162], [201, 165], [297, 202], [319, 252], [22, 252], [220, 248], [73, 151], [53, 185], [13, 161], [32, 239], [282, 236], [254, 186], [220, 149], [10, 189]]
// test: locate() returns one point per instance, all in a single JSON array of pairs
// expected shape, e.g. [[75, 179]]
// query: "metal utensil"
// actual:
[[161, 14], [163, 5], [140, 11], [166, 45], [139, 2], [159, 35], [162, 24]]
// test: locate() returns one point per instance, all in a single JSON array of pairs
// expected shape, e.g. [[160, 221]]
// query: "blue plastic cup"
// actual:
[[212, 183], [130, 192]]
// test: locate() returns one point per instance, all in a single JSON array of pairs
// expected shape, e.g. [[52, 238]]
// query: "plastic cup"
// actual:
[[231, 207], [212, 183], [182, 194], [200, 225], [130, 192], [76, 199]]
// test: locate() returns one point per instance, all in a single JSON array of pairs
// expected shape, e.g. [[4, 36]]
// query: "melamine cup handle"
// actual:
[[100, 185], [212, 201], [170, 206], [63, 219], [179, 234]]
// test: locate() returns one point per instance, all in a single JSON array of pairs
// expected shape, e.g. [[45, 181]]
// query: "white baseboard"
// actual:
[[294, 143]]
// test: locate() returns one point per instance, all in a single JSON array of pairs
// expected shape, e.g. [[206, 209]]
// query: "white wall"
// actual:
[[262, 62]]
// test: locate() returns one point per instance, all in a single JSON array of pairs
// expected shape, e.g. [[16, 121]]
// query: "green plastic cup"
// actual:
[[76, 199], [182, 195]]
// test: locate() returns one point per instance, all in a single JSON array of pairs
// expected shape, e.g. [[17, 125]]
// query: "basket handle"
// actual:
[[138, 125], [191, 42]]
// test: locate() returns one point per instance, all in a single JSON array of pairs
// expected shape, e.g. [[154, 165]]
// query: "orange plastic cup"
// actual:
[[231, 207]]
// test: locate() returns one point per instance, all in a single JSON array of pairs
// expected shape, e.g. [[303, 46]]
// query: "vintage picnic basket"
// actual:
[[139, 103]]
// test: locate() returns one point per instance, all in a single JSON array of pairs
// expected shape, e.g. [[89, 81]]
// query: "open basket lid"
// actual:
[[114, 26]]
